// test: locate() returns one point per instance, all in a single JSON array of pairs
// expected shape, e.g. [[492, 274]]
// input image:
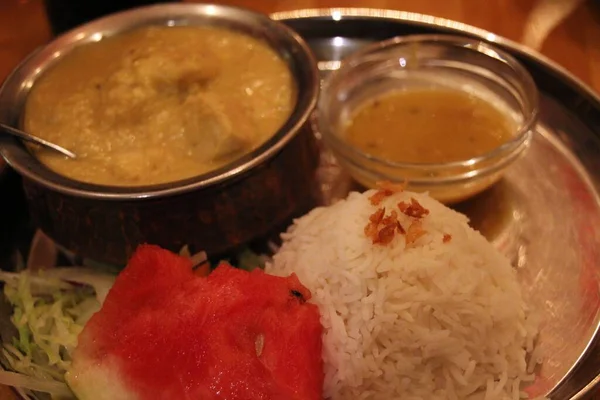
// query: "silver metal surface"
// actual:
[[285, 41], [544, 215], [9, 130]]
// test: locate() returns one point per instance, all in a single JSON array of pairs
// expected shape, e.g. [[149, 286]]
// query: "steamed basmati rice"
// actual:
[[432, 320]]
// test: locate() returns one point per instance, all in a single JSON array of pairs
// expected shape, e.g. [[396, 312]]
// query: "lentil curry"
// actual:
[[433, 125]]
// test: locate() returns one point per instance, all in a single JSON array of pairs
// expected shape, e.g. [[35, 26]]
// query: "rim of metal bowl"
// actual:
[[287, 42], [525, 80]]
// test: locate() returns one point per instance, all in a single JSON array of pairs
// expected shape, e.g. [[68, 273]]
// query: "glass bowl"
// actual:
[[424, 62]]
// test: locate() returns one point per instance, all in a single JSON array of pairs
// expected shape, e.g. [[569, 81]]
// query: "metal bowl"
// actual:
[[271, 184], [13, 212]]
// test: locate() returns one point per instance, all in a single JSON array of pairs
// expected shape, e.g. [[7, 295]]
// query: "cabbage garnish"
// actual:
[[57, 390], [197, 259], [50, 309], [248, 259]]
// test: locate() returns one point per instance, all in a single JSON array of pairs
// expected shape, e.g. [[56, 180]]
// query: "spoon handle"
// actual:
[[34, 139]]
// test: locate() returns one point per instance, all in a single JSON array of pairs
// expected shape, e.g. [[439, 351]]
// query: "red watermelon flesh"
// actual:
[[165, 333]]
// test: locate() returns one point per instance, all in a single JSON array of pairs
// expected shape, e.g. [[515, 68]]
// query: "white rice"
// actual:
[[433, 320]]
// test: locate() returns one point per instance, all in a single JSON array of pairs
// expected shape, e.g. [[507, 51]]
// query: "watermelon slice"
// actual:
[[166, 333]]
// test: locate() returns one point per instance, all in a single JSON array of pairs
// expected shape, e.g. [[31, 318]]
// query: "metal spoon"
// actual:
[[34, 139]]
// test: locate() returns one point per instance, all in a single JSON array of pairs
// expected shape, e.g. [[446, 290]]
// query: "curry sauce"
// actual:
[[159, 104], [434, 125]]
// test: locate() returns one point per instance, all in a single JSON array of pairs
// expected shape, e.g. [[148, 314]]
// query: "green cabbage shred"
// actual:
[[50, 309]]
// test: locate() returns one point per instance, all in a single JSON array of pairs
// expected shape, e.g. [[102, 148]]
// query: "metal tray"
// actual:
[[544, 215]]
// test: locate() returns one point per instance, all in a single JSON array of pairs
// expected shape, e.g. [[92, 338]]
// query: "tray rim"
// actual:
[[412, 18]]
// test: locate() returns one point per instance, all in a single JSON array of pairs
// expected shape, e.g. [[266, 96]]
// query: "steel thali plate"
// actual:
[[544, 215]]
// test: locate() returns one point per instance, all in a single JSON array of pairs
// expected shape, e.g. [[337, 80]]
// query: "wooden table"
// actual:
[[574, 42]]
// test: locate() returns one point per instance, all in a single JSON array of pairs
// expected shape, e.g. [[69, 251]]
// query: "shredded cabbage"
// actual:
[[197, 258], [248, 260], [50, 309], [58, 390]]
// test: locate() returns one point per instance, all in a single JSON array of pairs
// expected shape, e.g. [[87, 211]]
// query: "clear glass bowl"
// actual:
[[427, 61]]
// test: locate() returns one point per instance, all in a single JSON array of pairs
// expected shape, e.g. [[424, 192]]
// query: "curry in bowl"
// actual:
[[432, 125], [159, 104]]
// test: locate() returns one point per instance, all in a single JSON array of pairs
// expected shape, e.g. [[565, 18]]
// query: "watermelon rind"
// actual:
[[90, 381]]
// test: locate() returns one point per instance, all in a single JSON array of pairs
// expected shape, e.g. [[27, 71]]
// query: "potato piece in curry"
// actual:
[[160, 104]]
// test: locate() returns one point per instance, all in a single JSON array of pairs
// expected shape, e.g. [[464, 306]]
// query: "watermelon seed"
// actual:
[[298, 295], [259, 343]]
